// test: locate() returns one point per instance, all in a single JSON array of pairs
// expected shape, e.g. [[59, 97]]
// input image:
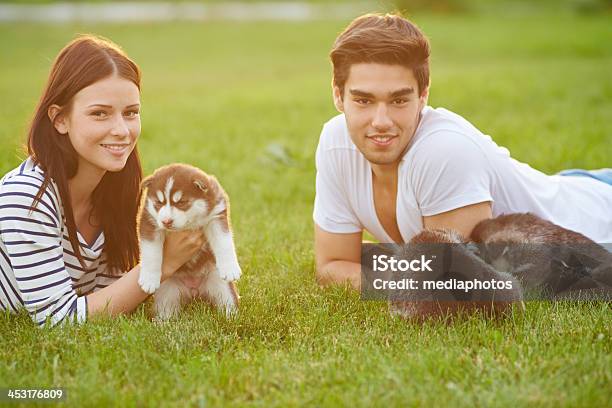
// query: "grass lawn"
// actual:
[[246, 101]]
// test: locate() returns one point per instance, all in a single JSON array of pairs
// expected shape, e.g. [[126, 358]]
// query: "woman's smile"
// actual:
[[117, 149]]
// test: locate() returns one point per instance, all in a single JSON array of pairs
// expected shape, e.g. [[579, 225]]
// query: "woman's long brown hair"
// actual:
[[84, 61]]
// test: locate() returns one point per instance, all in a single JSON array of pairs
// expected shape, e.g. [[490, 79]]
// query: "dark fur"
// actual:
[[463, 264], [544, 260], [551, 262]]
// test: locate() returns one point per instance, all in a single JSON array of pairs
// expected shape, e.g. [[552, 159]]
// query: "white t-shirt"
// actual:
[[449, 164]]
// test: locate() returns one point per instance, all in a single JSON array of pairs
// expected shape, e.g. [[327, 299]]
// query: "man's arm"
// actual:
[[338, 258], [462, 220]]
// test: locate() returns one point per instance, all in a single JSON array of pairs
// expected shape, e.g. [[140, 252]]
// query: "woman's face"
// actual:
[[103, 124]]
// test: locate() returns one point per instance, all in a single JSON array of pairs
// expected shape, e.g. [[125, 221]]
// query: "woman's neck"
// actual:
[[83, 184]]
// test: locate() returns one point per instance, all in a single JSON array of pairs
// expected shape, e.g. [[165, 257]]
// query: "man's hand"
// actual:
[[338, 258], [462, 220]]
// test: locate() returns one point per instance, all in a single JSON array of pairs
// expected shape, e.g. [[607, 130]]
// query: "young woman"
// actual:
[[68, 241]]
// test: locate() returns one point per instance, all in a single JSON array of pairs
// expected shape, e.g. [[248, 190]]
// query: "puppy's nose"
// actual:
[[167, 222]]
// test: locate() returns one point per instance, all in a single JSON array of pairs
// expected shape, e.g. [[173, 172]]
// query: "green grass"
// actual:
[[217, 96]]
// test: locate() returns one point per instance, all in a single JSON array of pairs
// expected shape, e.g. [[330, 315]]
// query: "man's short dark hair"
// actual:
[[384, 39]]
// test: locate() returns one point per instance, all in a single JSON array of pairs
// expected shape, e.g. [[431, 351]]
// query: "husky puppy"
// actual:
[[454, 260], [183, 197], [550, 261], [541, 259]]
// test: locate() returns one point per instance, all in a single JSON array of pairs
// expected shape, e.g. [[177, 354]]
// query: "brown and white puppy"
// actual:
[[183, 197]]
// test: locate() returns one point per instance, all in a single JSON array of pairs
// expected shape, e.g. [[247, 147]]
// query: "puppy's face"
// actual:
[[180, 198]]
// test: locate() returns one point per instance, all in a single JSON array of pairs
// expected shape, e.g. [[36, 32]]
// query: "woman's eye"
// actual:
[[98, 114], [131, 114]]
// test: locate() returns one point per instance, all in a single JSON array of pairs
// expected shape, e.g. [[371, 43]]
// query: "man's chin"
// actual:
[[382, 160]]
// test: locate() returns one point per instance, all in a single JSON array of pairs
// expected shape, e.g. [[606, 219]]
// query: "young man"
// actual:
[[393, 166]]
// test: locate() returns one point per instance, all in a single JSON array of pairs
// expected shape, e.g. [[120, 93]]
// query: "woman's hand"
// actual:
[[180, 247]]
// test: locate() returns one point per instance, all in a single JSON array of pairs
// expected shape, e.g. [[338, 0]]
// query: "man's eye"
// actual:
[[362, 101], [400, 101]]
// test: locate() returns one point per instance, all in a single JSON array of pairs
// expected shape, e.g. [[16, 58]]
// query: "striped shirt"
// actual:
[[38, 269]]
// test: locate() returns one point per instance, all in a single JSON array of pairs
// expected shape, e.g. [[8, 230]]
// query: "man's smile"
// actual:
[[381, 140]]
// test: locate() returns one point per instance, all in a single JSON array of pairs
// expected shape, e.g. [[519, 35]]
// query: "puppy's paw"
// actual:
[[229, 271], [231, 310], [157, 320], [164, 317], [166, 311], [149, 282]]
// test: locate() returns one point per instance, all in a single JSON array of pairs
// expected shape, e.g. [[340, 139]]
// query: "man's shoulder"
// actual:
[[335, 135], [445, 132], [436, 120]]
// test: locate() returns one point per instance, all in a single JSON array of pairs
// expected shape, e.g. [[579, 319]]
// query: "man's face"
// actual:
[[382, 106]]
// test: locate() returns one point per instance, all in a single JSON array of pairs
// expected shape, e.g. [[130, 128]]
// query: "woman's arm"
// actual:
[[122, 296], [125, 294], [32, 253]]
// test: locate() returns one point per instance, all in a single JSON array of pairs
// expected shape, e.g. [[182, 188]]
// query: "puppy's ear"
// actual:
[[201, 184], [146, 182]]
